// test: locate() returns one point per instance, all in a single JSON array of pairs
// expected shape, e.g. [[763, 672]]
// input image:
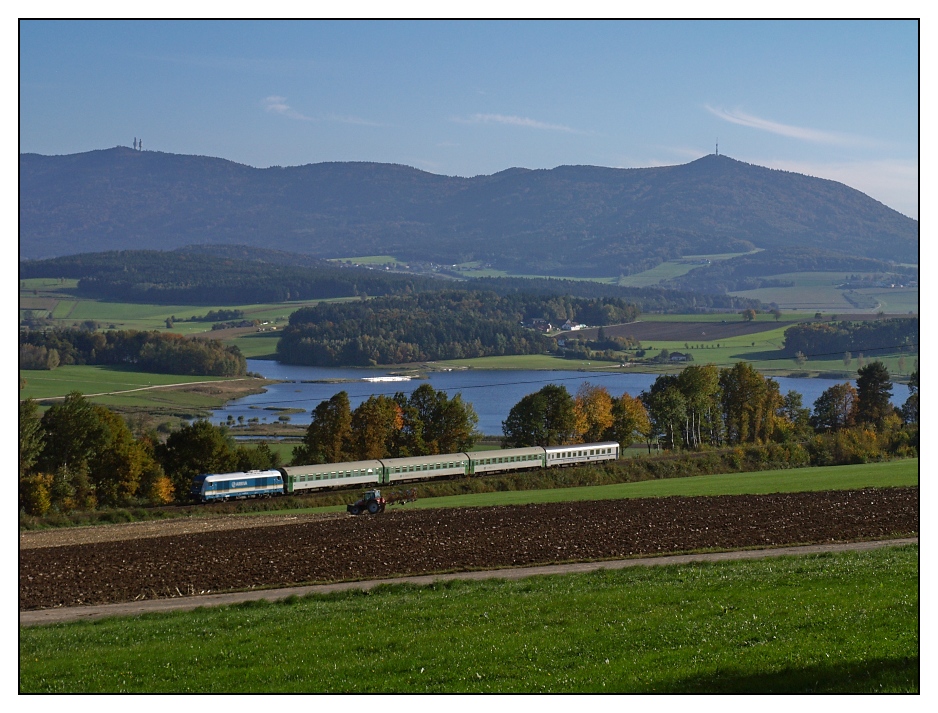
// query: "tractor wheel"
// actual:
[[355, 510], [374, 508]]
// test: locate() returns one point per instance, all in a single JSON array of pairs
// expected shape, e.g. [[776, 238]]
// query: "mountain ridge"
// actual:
[[573, 220]]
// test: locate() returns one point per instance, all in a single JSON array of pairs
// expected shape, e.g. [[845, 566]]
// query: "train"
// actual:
[[288, 480]]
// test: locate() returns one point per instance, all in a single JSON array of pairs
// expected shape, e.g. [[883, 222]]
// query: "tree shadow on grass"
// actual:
[[895, 675]]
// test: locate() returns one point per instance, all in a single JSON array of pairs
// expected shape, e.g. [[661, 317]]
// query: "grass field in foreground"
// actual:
[[843, 623], [798, 480]]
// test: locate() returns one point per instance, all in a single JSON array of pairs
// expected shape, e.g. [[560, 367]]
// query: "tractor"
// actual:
[[370, 501], [373, 502]]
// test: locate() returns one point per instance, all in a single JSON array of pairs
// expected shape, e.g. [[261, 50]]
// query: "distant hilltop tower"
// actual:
[[138, 144], [718, 147]]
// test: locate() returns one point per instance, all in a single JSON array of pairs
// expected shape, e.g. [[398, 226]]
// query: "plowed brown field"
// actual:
[[424, 541]]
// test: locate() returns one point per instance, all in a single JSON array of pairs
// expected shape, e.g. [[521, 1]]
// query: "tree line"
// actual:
[[705, 407], [191, 277], [81, 456], [157, 352], [431, 326], [826, 338], [427, 422], [751, 271], [233, 275]]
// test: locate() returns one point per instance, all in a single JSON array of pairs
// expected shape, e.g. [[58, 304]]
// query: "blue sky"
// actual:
[[836, 99]]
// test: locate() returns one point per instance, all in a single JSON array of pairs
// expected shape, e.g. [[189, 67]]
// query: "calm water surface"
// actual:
[[491, 393]]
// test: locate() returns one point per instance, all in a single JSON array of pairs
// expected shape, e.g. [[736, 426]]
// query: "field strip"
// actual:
[[143, 388], [184, 603]]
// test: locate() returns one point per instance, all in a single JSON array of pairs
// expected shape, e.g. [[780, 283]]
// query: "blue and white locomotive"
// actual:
[[252, 484]]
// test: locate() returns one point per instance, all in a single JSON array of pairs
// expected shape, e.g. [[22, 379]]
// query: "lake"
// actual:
[[491, 393]]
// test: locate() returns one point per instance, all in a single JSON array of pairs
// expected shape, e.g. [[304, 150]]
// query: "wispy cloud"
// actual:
[[358, 121], [278, 105], [801, 133], [521, 121]]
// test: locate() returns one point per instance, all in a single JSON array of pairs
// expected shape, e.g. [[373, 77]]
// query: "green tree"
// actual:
[[749, 403], [195, 449], [544, 418], [446, 425], [375, 424], [74, 433], [32, 436], [667, 409], [794, 420], [835, 409], [700, 386], [117, 467], [155, 486], [873, 393], [259, 457], [329, 433], [35, 494]]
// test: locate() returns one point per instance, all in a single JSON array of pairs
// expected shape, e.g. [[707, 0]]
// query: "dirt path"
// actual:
[[68, 614]]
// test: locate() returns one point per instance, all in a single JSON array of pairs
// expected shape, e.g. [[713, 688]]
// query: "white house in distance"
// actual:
[[571, 326]]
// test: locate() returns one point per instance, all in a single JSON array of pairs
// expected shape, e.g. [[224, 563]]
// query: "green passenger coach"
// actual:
[[440, 466], [508, 459], [315, 477]]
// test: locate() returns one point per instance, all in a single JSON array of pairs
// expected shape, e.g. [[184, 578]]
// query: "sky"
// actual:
[[833, 99]]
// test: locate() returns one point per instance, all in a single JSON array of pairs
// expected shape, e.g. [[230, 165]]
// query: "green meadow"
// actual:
[[670, 269], [96, 380], [821, 291], [834, 623], [57, 300]]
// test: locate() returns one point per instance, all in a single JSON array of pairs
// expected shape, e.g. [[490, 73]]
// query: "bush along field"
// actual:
[[834, 623]]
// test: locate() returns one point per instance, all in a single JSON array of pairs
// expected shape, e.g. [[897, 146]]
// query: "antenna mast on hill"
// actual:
[[718, 147]]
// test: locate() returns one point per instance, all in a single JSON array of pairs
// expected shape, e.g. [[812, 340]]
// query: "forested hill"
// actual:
[[571, 220], [238, 275]]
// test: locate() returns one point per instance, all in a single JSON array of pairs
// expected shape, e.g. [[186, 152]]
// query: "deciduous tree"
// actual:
[[374, 425], [31, 436], [835, 408], [195, 449], [750, 403], [630, 421], [873, 393], [544, 418], [328, 437], [592, 410]]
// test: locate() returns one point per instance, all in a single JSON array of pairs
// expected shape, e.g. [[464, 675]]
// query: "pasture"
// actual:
[[835, 623], [58, 301], [813, 291], [672, 268], [136, 391], [96, 380]]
